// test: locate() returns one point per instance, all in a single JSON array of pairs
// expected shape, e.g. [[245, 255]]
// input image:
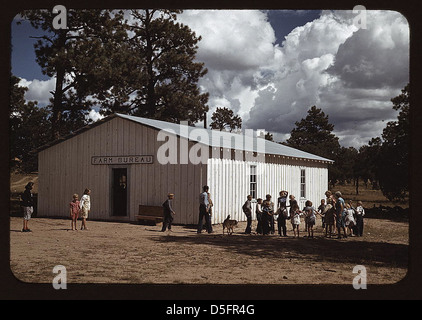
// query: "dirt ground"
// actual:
[[111, 252]]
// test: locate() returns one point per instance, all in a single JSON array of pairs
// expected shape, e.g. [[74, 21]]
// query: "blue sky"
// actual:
[[23, 55], [270, 67]]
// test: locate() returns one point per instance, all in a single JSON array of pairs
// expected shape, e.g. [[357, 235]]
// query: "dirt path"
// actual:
[[127, 253]]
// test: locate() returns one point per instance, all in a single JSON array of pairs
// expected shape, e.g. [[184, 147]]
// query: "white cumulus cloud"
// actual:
[[38, 90]]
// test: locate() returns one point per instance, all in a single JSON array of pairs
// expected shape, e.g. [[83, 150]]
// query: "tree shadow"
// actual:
[[319, 249]]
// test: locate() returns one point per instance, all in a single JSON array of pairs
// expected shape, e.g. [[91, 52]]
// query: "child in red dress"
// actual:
[[74, 210]]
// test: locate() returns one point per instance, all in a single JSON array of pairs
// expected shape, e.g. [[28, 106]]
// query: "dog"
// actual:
[[229, 225]]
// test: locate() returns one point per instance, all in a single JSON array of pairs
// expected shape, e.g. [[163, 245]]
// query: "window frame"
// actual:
[[303, 183], [253, 181]]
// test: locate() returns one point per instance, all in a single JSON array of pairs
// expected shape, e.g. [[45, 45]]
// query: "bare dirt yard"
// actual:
[[111, 252], [125, 253]]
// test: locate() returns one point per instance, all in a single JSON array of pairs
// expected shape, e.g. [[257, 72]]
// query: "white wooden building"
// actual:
[[127, 161]]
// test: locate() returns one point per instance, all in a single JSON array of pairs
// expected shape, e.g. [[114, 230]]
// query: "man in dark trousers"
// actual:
[[282, 213], [247, 209], [168, 212], [267, 215], [27, 206], [204, 207]]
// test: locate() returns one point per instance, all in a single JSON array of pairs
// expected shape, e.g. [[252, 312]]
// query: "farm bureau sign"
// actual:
[[122, 160]]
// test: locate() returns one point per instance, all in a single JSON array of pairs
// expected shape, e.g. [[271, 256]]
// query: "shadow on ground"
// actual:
[[318, 249]]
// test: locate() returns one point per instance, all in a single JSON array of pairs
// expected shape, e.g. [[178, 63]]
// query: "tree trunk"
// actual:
[[357, 185], [58, 92], [150, 99]]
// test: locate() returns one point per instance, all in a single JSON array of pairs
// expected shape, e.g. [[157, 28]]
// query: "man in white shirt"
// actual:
[[204, 205]]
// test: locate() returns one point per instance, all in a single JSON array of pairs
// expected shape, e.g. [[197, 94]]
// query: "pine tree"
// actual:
[[76, 57], [224, 119], [167, 75], [29, 128], [393, 160], [314, 135], [143, 65]]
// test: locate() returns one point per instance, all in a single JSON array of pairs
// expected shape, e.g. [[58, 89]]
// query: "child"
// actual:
[[85, 206], [360, 213], [329, 213], [292, 204], [331, 199], [74, 211], [321, 209], [310, 218], [295, 219], [259, 215], [27, 206], [306, 211], [282, 213], [349, 220]]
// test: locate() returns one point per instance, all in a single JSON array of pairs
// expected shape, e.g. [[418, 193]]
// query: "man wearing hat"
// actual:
[[27, 206], [168, 212]]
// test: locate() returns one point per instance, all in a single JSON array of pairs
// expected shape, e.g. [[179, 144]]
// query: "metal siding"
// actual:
[[231, 177]]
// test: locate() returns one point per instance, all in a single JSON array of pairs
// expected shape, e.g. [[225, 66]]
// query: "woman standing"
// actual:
[[340, 213], [85, 205]]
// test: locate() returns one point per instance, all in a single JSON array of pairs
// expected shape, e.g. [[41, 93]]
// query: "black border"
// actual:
[[260, 295]]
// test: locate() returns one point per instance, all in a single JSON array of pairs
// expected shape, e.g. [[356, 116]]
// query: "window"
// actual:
[[302, 184], [252, 189]]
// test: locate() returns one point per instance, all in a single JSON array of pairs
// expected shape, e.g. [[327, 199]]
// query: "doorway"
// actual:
[[119, 191]]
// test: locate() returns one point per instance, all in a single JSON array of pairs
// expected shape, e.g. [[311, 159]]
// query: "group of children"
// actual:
[[80, 209], [339, 216], [335, 214]]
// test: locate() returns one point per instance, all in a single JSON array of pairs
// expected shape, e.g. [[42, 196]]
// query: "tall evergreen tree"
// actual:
[[314, 135], [72, 56], [29, 128], [165, 51], [138, 62], [224, 119], [393, 160], [367, 161]]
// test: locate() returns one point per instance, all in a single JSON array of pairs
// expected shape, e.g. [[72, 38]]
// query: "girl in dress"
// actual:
[[310, 218], [295, 216], [349, 220], [331, 199], [85, 205], [74, 211]]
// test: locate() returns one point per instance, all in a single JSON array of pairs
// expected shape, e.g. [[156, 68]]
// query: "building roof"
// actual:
[[213, 138], [216, 138]]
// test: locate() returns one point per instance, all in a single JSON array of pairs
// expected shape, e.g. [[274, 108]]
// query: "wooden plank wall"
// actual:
[[65, 169]]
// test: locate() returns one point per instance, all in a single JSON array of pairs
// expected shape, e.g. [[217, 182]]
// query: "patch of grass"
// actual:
[[368, 196]]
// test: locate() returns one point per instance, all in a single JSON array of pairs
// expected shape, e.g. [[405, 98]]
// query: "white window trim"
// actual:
[[304, 184]]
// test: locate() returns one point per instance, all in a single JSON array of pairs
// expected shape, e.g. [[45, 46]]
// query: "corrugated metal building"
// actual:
[[127, 161]]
